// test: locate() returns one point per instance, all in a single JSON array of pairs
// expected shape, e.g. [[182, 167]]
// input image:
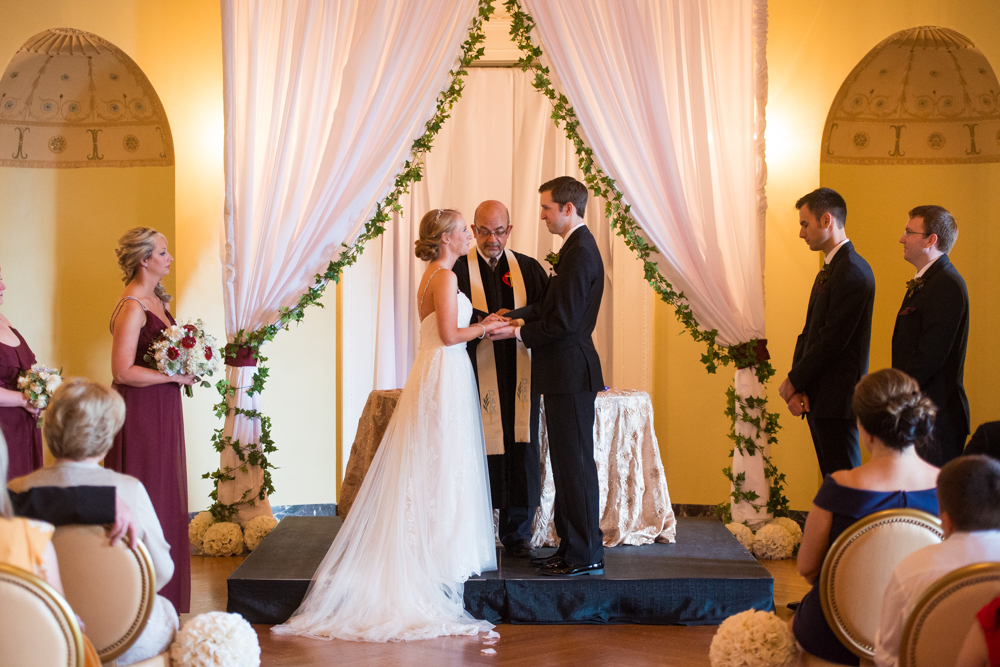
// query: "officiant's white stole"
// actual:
[[489, 393]]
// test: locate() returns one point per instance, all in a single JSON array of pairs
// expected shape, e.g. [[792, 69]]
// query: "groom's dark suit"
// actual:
[[831, 355], [566, 370], [928, 344]]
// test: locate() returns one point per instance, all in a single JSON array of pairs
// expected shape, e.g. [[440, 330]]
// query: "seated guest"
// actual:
[[27, 544], [79, 426], [969, 497], [982, 644], [986, 440], [893, 416], [87, 505]]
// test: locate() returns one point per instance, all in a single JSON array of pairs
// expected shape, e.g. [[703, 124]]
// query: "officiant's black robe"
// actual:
[[515, 476]]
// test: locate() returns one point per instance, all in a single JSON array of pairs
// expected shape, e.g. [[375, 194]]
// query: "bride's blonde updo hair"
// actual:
[[138, 244], [435, 222]]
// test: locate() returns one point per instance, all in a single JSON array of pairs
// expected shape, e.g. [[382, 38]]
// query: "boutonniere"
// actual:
[[824, 274], [553, 259], [913, 285]]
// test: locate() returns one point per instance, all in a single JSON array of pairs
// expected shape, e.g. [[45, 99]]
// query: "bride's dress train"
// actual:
[[422, 522]]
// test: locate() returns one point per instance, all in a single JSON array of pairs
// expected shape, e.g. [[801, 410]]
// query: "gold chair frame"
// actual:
[[837, 551], [56, 604]]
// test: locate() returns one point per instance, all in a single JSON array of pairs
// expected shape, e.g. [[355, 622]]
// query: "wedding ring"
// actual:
[[802, 404]]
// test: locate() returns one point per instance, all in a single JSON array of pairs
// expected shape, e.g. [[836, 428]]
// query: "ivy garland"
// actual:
[[616, 210], [254, 454], [752, 410]]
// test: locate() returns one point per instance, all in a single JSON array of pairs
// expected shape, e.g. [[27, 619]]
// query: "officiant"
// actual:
[[496, 280]]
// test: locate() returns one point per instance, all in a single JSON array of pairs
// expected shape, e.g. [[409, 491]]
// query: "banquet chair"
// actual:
[[857, 570], [940, 620], [112, 588], [37, 626]]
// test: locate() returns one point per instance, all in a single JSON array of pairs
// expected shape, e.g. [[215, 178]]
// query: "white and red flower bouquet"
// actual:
[[185, 349], [37, 385]]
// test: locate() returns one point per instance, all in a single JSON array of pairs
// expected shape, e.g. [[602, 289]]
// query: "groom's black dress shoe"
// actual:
[[570, 570], [520, 549], [552, 565], [547, 560]]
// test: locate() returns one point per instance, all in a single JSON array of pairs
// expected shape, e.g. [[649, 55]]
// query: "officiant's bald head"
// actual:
[[492, 228]]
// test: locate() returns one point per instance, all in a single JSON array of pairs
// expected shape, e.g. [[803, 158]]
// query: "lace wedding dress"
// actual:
[[422, 522]]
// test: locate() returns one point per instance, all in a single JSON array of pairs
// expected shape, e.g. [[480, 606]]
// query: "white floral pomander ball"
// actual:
[[753, 639], [743, 534], [216, 639], [257, 529], [793, 528], [223, 539], [198, 526], [773, 542]]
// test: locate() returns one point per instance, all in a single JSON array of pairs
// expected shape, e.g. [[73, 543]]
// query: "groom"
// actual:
[[565, 369]]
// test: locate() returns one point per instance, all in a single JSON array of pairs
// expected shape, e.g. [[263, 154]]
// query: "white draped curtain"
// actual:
[[500, 143], [664, 91], [322, 100]]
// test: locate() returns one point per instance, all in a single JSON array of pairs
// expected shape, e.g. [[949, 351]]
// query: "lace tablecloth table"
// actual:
[[635, 505]]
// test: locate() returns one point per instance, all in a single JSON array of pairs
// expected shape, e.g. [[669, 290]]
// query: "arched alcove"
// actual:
[[85, 153], [917, 122]]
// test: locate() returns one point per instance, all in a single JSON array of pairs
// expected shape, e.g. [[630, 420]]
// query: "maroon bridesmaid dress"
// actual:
[[24, 440], [150, 447]]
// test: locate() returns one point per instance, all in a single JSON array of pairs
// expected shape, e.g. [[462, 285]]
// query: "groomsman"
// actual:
[[932, 328], [497, 280], [831, 354], [567, 371]]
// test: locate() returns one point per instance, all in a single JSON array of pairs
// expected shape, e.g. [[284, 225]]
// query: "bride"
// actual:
[[422, 522]]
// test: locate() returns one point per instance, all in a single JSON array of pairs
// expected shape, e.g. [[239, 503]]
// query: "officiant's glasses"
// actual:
[[499, 233]]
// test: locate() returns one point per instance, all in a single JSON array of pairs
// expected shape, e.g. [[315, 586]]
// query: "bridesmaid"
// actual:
[[17, 419], [150, 445]]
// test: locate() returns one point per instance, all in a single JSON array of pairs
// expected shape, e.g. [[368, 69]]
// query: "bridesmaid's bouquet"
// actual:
[[37, 384], [184, 349]]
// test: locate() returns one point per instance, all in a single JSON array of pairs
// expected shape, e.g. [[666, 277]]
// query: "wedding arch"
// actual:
[[324, 101]]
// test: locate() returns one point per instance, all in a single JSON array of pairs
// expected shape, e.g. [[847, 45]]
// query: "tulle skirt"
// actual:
[[421, 523]]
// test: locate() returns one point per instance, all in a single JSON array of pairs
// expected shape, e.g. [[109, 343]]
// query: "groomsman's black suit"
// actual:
[[831, 356], [928, 344], [565, 368], [515, 476]]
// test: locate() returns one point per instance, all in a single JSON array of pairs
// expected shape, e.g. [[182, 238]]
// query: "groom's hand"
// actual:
[[503, 311], [502, 333]]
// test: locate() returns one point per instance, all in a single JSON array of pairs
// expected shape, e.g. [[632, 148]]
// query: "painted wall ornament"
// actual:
[[69, 98], [925, 95]]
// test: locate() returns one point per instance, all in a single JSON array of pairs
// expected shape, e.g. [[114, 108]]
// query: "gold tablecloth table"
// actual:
[[635, 505], [371, 427]]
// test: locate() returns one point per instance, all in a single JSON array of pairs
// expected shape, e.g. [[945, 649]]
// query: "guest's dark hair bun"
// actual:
[[889, 405]]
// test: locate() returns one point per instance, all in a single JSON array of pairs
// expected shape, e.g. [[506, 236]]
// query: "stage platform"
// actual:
[[702, 579]]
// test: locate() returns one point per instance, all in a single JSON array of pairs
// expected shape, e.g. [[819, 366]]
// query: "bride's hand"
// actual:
[[494, 317], [493, 325]]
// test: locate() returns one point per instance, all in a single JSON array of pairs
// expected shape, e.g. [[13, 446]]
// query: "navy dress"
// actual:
[[848, 506]]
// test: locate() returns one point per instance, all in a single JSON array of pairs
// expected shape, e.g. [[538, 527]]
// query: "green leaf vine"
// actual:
[[255, 454], [619, 212]]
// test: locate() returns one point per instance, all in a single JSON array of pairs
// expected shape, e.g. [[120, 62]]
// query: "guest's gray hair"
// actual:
[[82, 419]]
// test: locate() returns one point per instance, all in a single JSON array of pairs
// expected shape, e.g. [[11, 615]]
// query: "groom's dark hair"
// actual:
[[567, 190]]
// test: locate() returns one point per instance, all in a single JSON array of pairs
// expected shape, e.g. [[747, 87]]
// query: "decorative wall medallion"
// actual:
[[919, 97], [89, 104]]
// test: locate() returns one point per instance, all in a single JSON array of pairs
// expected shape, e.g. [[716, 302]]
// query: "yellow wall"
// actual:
[[63, 289], [812, 47]]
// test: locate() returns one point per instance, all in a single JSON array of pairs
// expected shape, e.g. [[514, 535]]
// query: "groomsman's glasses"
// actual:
[[499, 233], [907, 232]]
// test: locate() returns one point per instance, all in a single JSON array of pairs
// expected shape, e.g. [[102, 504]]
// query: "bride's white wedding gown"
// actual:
[[422, 522]]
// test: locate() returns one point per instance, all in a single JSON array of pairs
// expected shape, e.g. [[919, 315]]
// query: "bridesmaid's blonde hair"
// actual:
[[435, 223], [82, 419], [137, 245]]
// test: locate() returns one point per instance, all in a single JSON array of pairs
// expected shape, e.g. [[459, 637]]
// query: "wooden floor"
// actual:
[[527, 645]]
